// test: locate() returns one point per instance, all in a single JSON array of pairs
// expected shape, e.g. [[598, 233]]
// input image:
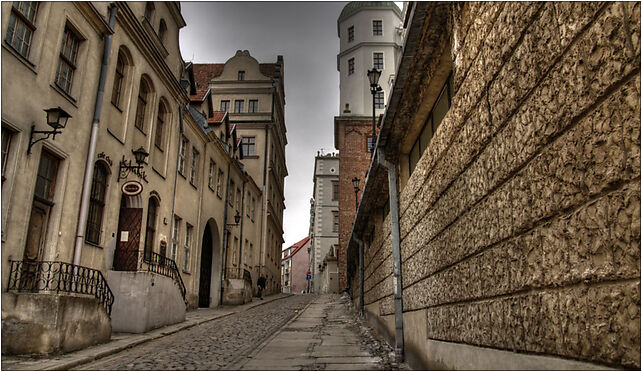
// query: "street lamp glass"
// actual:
[[373, 76], [355, 183], [237, 218], [57, 117], [140, 155]]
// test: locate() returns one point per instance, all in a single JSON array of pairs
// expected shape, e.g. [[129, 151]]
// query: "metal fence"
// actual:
[[162, 265], [56, 276]]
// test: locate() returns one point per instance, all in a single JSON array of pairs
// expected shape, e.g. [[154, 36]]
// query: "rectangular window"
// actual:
[[241, 75], [377, 60], [248, 204], [335, 190], [175, 236], [234, 248], [219, 183], [6, 145], [193, 170], [211, 175], [46, 178], [351, 66], [22, 25], [225, 105], [350, 33], [436, 115], [377, 27], [247, 143], [252, 213], [253, 105], [67, 62], [238, 200], [182, 155], [188, 244], [230, 196], [335, 221], [379, 100], [244, 254], [370, 143], [238, 106], [96, 204]]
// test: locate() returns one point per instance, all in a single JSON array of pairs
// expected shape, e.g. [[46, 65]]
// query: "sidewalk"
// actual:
[[122, 341], [322, 337]]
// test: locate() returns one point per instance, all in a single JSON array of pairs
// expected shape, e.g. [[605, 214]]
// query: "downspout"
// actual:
[[396, 253], [263, 212], [241, 228], [180, 134], [225, 232], [95, 125], [361, 271]]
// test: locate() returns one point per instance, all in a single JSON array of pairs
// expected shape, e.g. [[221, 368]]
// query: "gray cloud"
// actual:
[[305, 33]]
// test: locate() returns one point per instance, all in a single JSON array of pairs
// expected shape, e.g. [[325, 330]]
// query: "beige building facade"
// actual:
[[499, 226], [253, 95]]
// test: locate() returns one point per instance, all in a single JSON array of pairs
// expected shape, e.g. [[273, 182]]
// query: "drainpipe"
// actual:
[[264, 203], [91, 154], [225, 232], [361, 270], [396, 253], [241, 228], [180, 136]]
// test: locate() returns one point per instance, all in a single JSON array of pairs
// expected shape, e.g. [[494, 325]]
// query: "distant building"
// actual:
[[294, 267], [253, 95], [370, 35], [324, 228]]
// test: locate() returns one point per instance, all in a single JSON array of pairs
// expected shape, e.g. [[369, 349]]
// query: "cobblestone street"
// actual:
[[210, 346]]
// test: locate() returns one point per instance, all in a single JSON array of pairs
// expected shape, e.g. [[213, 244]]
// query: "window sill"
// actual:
[[182, 175], [211, 188], [219, 196], [158, 172], [30, 65], [186, 272], [116, 106], [140, 130], [94, 244], [193, 185], [250, 156], [115, 136], [67, 96]]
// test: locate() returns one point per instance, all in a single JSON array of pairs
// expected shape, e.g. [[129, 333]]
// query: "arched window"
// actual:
[[96, 204], [160, 126], [149, 11], [150, 230], [162, 31], [143, 99], [119, 78]]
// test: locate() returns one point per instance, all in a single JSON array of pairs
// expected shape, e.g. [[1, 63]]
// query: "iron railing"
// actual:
[[56, 276], [162, 265]]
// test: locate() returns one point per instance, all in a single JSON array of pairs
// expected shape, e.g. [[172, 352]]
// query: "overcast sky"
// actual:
[[305, 33]]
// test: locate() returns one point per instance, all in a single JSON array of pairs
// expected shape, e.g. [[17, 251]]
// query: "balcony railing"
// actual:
[[162, 265], [56, 276]]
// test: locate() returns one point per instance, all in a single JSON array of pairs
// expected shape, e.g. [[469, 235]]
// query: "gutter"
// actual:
[[265, 194], [91, 154], [242, 212], [225, 232], [180, 133]]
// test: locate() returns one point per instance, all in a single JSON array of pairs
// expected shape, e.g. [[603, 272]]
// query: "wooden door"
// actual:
[[129, 224]]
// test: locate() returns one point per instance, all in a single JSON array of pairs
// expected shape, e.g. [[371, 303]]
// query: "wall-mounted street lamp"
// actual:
[[355, 184], [373, 76], [126, 166], [237, 219], [57, 119]]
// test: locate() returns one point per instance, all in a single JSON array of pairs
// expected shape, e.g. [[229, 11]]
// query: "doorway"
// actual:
[[206, 269], [128, 239]]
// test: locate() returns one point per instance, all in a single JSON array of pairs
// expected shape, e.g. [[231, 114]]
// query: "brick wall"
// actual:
[[352, 134], [520, 226]]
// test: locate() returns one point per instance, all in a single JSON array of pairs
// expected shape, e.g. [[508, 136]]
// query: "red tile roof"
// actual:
[[199, 96], [204, 72], [298, 245], [218, 117]]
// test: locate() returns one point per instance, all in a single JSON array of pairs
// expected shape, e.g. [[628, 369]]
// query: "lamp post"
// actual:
[[373, 76], [125, 166], [355, 184], [57, 119]]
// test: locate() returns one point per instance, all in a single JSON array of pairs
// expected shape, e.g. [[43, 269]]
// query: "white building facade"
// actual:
[[324, 229], [370, 35]]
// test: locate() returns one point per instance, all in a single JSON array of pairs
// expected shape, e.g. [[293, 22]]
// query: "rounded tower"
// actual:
[[370, 35]]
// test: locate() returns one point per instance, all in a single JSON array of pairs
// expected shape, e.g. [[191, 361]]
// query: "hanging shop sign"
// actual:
[[132, 188]]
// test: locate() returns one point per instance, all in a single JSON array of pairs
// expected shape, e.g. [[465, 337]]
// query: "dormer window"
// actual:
[[241, 75], [149, 11], [162, 31], [350, 33]]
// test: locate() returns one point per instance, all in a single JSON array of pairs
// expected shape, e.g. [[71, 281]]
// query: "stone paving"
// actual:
[[326, 336], [210, 346]]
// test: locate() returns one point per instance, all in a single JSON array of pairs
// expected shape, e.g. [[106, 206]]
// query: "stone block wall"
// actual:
[[520, 226]]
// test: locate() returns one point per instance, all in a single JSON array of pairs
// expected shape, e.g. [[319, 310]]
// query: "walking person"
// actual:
[[261, 284]]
